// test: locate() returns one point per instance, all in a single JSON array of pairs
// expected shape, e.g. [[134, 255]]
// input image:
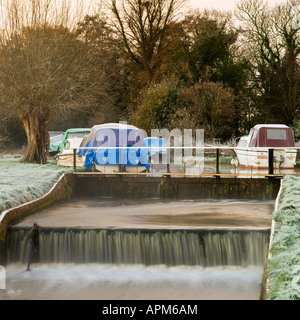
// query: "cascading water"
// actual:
[[171, 247], [113, 249]]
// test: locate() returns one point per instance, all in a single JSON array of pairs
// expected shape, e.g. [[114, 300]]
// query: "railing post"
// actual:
[[271, 161], [74, 159], [218, 161], [120, 160], [121, 165], [149, 161]]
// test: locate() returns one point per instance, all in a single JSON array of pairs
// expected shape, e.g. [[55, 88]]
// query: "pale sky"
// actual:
[[199, 4], [220, 4], [213, 4]]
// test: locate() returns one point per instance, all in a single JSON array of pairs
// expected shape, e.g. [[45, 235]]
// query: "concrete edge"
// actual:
[[273, 226]]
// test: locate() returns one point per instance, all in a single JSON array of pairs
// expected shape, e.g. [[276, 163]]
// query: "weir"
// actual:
[[170, 247], [130, 224]]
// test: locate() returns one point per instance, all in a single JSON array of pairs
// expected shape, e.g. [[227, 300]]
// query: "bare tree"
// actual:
[[44, 69], [272, 43], [140, 26]]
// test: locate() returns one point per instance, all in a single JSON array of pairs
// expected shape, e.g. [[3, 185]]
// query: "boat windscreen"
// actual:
[[80, 134], [242, 143]]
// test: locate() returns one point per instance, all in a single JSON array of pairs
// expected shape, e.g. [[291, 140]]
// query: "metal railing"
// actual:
[[217, 155]]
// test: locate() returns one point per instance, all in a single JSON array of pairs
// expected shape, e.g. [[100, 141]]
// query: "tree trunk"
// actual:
[[36, 128]]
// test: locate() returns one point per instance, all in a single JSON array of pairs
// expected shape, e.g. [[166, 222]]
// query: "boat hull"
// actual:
[[67, 160], [116, 168], [252, 157]]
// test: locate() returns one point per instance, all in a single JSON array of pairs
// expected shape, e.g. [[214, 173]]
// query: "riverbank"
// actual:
[[23, 182], [283, 266]]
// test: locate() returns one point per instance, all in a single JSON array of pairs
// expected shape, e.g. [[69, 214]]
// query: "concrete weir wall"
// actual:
[[176, 188], [62, 189], [81, 185]]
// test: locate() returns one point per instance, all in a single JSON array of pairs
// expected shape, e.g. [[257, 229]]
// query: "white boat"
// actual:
[[253, 149], [72, 139]]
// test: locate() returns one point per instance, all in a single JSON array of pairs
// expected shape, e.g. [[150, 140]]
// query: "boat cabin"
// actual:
[[269, 135]]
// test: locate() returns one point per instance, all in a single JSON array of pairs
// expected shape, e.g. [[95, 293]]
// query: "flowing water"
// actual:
[[205, 248], [169, 250], [133, 282]]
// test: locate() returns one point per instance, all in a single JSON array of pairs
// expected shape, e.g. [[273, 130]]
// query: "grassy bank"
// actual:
[[284, 265], [22, 182]]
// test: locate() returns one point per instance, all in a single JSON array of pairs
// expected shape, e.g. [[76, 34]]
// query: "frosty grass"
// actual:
[[284, 264], [22, 182]]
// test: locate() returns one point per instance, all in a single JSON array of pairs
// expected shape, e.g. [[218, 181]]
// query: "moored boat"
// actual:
[[115, 147], [253, 149], [72, 139]]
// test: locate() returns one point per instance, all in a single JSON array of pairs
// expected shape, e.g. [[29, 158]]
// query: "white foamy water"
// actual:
[[118, 282]]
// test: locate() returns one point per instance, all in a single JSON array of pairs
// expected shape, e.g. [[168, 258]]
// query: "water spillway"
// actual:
[[111, 248], [170, 247]]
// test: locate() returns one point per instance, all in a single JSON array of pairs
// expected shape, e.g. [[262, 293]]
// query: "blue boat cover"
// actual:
[[156, 145], [132, 147]]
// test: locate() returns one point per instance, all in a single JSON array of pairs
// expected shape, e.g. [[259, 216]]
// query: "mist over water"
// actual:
[[134, 282]]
